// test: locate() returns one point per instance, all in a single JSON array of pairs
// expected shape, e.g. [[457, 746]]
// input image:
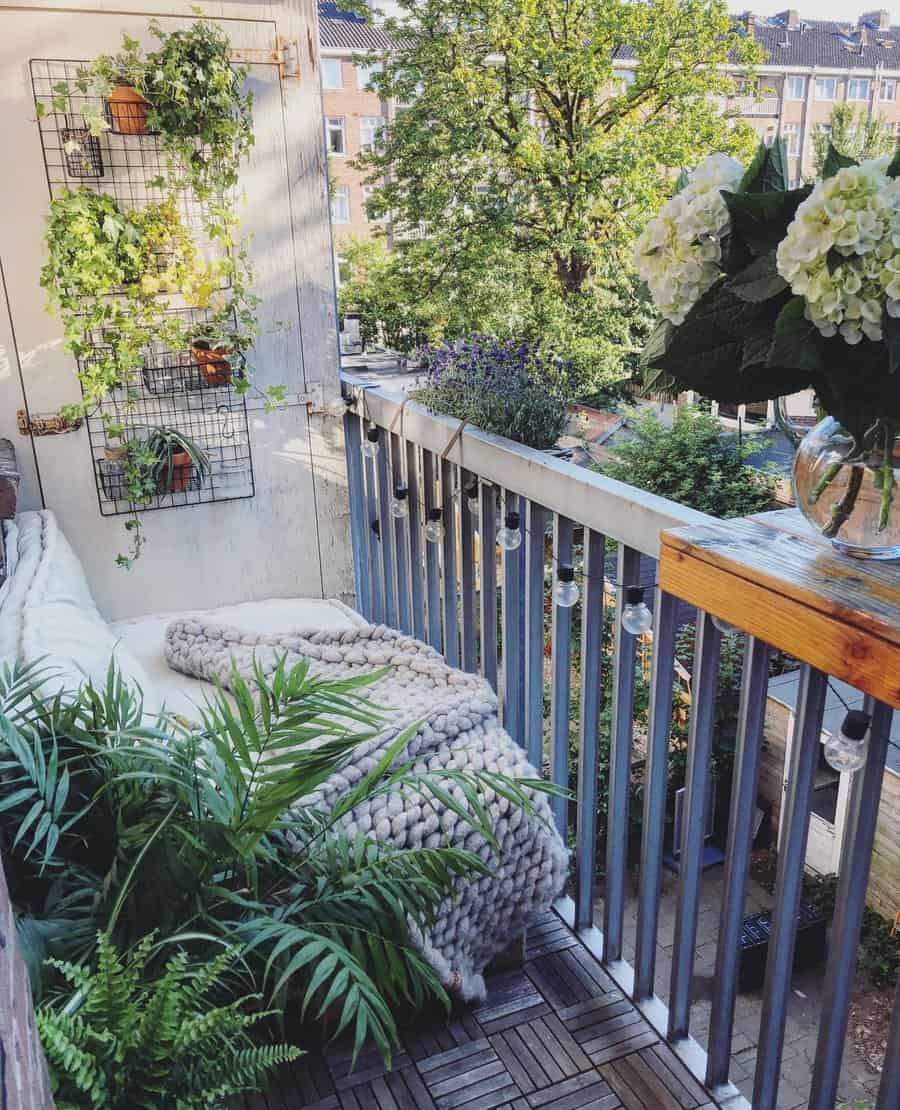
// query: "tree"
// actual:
[[853, 133], [693, 463], [519, 147]]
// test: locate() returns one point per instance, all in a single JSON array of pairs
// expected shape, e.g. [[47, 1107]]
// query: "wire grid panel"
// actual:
[[129, 168], [213, 418]]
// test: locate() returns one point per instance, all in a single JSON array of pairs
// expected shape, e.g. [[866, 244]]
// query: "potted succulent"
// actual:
[[177, 460], [765, 291]]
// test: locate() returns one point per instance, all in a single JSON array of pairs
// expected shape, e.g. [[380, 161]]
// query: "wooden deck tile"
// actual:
[[555, 1034]]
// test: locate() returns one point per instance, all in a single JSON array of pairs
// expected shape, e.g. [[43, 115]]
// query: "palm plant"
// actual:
[[111, 822]]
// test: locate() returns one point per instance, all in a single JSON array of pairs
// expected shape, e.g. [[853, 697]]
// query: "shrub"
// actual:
[[693, 463], [135, 1039], [506, 388]]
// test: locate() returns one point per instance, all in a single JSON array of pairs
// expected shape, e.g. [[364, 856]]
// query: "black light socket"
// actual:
[[856, 724], [401, 493], [435, 514], [372, 435], [566, 574], [512, 520], [634, 595]]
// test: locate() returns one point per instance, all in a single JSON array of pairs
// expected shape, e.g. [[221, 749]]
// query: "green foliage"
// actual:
[[853, 135], [530, 167], [209, 815], [693, 463], [132, 1037]]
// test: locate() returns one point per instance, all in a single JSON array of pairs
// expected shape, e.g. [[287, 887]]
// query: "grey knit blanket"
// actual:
[[457, 729]]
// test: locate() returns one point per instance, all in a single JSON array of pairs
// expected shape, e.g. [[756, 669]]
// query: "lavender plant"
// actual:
[[507, 388]]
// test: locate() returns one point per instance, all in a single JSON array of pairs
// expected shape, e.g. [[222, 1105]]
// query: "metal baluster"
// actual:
[[789, 884], [487, 533], [513, 562], [589, 725], [450, 589], [467, 574], [433, 554], [621, 735], [889, 1088], [382, 478], [704, 686], [401, 538], [849, 903], [358, 522], [535, 519], [416, 590], [560, 669], [656, 784], [373, 540], [748, 746]]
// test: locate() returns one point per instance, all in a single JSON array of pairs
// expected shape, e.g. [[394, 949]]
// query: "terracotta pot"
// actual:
[[179, 478], [213, 362], [128, 110], [115, 454]]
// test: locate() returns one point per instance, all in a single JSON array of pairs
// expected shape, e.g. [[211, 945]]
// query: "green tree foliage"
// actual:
[[692, 462], [852, 133], [134, 1039], [520, 151]]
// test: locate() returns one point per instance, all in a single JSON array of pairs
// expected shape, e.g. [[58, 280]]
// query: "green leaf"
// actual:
[[890, 329], [759, 281], [835, 161], [797, 342], [681, 181], [893, 169], [761, 219], [657, 343], [768, 172]]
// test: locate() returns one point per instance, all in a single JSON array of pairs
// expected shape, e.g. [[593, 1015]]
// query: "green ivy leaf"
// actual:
[[759, 281], [835, 161], [797, 342]]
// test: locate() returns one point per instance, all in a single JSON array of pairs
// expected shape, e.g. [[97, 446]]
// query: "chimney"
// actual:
[[790, 18], [880, 20]]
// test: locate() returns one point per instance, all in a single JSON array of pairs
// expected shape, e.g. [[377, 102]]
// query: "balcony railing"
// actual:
[[447, 594], [756, 105]]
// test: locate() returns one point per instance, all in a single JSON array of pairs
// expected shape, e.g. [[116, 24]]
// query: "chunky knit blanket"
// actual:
[[458, 729]]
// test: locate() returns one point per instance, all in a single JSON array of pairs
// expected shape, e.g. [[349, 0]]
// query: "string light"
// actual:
[[510, 535], [848, 750], [472, 498], [566, 592], [400, 502], [636, 617], [434, 529], [723, 626], [370, 445]]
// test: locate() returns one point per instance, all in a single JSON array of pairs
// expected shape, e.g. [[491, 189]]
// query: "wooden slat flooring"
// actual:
[[556, 1034]]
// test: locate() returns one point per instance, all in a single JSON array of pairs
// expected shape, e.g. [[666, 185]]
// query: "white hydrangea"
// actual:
[[679, 251], [854, 215]]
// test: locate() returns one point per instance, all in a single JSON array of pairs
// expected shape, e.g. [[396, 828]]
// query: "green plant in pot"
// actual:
[[218, 348], [765, 291], [177, 460]]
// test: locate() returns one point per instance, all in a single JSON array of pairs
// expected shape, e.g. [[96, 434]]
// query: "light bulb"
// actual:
[[510, 535], [399, 502], [434, 529], [472, 498], [370, 444], [636, 617], [848, 750], [566, 592]]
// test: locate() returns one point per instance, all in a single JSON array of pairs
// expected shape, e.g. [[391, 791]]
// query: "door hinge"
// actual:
[[50, 424], [285, 54]]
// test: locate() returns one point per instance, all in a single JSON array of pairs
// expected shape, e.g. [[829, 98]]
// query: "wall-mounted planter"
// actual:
[[127, 110], [214, 363], [81, 150]]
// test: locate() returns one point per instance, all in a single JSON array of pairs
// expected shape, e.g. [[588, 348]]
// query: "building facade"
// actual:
[[810, 66]]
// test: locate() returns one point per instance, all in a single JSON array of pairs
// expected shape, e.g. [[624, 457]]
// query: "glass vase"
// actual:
[[851, 495]]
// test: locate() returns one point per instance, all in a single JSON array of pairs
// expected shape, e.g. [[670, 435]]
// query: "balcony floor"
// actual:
[[556, 1033]]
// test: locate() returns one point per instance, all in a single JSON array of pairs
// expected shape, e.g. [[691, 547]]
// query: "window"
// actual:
[[365, 73], [795, 88], [369, 131], [626, 78], [334, 132], [340, 204], [790, 132], [888, 88], [368, 190], [331, 73], [858, 88], [826, 88]]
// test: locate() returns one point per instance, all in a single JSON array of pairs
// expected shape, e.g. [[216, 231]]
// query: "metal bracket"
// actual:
[[50, 424], [285, 54]]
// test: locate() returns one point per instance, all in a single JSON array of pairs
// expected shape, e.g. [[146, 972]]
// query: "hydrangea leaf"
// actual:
[[893, 169], [890, 329], [759, 281], [761, 219], [797, 342], [835, 161], [768, 172]]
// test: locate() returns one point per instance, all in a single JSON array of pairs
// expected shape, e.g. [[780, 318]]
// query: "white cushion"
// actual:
[[48, 614], [144, 638]]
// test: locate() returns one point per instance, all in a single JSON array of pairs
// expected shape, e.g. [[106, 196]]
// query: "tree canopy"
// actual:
[[519, 145], [853, 133]]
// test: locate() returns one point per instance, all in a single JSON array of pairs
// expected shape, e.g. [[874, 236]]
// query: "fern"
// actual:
[[139, 1041]]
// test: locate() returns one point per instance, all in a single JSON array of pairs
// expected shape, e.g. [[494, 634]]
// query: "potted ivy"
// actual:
[[219, 349], [178, 461]]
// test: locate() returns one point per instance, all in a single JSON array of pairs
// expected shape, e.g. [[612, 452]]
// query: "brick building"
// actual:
[[810, 66]]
